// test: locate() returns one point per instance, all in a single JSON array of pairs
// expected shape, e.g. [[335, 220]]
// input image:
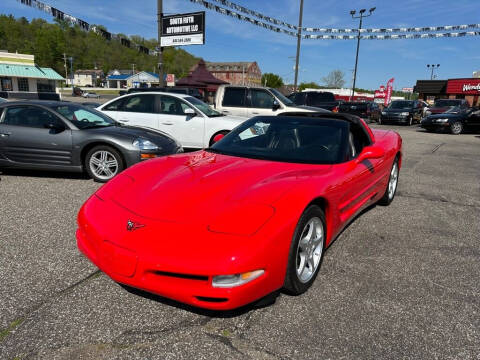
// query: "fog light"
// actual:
[[148, 156], [228, 281]]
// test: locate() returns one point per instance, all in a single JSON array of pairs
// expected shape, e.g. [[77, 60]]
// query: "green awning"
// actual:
[[29, 71]]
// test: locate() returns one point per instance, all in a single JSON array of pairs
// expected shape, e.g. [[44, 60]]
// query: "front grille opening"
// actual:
[[182, 276], [211, 299]]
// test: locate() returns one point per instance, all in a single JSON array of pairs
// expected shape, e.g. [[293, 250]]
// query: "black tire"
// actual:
[[112, 153], [223, 132], [293, 284], [456, 128], [387, 198]]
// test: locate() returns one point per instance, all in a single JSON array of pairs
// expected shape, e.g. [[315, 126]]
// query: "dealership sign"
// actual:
[[183, 29]]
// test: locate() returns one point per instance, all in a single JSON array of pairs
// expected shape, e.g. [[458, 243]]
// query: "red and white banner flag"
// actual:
[[389, 91]]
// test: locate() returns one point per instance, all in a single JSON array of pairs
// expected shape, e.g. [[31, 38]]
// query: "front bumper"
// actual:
[[399, 119], [181, 276]]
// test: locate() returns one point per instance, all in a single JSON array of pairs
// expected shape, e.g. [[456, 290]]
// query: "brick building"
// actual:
[[236, 73]]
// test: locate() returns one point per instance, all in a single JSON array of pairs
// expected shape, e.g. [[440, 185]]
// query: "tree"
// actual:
[[309, 85], [272, 80], [335, 79]]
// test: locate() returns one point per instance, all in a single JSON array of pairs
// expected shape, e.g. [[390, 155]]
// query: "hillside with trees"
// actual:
[[48, 42]]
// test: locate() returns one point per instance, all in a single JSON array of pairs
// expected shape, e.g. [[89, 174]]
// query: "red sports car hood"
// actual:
[[203, 185]]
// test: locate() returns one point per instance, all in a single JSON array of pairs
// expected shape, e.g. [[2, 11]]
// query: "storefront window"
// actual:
[[23, 84], [46, 85], [6, 84]]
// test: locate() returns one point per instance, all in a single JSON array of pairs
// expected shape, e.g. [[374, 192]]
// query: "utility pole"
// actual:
[[71, 71], [299, 39], [362, 12], [133, 69], [160, 49], [243, 74], [65, 65]]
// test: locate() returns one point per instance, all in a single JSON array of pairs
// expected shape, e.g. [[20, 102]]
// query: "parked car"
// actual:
[[320, 99], [402, 112], [76, 91], [366, 110], [442, 105], [251, 101], [58, 135], [455, 120], [189, 120], [174, 89], [258, 209], [91, 94]]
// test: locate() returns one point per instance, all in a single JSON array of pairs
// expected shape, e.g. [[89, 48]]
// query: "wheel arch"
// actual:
[[323, 203], [210, 141]]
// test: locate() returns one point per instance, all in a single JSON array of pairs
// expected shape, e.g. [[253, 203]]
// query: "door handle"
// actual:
[[4, 134], [225, 111], [255, 113], [123, 120], [167, 123]]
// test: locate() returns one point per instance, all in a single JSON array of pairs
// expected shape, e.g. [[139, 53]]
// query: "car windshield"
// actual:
[[445, 103], [287, 139], [401, 105], [84, 118], [282, 98], [455, 110], [204, 108]]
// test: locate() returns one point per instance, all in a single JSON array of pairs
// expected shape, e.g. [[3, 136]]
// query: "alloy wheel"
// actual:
[[392, 183], [309, 250], [103, 164]]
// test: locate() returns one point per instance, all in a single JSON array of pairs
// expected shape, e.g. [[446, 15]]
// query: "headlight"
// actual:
[[405, 113], [441, 120], [384, 113], [228, 281], [144, 144]]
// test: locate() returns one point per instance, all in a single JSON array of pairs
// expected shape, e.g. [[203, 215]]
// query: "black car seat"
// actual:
[[284, 140]]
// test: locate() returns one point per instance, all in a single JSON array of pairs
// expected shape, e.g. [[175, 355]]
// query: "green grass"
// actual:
[[13, 325]]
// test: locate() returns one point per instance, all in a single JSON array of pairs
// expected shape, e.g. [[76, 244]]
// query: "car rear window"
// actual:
[[234, 97]]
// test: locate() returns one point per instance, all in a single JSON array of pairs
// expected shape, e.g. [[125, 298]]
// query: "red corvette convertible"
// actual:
[[226, 226]]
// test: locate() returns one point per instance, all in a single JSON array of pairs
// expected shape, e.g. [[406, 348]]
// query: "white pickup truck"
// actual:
[[250, 101]]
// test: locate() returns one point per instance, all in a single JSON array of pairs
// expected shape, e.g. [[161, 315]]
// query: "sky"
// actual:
[[228, 39]]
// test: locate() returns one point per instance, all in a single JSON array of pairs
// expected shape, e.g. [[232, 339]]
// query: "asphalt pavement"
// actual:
[[401, 282]]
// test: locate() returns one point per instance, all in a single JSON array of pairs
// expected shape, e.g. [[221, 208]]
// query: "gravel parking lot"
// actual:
[[402, 282]]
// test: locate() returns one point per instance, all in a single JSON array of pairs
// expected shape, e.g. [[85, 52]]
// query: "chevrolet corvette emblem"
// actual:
[[133, 225]]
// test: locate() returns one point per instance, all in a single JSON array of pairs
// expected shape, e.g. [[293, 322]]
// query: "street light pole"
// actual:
[[362, 15], [432, 66], [299, 39], [160, 49]]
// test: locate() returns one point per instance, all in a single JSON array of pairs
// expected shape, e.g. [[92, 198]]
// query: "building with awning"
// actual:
[[202, 79], [21, 78], [119, 80]]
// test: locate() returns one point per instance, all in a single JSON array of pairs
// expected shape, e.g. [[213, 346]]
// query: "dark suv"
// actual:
[[402, 112], [320, 99]]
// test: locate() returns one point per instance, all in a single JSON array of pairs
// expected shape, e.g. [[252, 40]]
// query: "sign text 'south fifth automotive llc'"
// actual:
[[183, 29]]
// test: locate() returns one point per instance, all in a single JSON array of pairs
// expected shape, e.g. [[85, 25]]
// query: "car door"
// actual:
[[234, 101], [473, 120], [261, 103], [137, 110], [33, 135], [188, 129], [363, 180]]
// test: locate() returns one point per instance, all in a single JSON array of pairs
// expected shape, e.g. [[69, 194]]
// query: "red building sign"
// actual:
[[464, 86]]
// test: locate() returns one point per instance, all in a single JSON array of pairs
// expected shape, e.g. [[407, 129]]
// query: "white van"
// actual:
[[252, 101]]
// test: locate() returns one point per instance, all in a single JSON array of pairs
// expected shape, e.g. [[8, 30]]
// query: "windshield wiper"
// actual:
[[216, 115], [95, 126]]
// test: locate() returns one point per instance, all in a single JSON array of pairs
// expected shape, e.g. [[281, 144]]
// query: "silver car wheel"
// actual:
[[392, 184], [103, 164], [309, 250]]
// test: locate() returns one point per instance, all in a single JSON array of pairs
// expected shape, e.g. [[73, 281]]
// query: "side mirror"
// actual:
[[218, 137], [370, 152], [189, 112], [276, 105]]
